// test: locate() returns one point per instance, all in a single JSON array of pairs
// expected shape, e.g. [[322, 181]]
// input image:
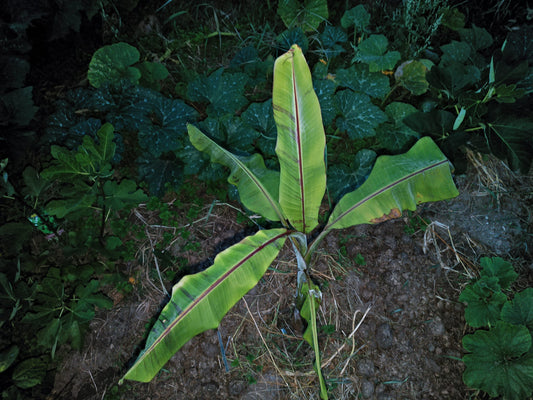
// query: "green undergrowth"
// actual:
[[499, 353], [384, 78]]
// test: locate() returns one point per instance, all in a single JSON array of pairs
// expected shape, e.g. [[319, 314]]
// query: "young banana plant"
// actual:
[[291, 196]]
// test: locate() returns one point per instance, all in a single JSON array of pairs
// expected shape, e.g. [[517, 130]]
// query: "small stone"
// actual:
[[366, 368], [384, 337], [236, 387], [367, 389], [437, 327]]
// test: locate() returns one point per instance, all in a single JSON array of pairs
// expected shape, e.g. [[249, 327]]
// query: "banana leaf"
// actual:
[[258, 186], [301, 141], [397, 183], [199, 301]]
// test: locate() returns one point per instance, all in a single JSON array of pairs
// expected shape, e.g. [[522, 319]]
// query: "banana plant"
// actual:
[[291, 196]]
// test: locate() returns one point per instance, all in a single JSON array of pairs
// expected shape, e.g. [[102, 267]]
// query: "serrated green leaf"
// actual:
[[373, 51], [48, 336], [436, 123], [259, 116], [29, 372], [68, 205], [307, 14], [357, 17], [164, 124], [151, 74], [14, 71], [112, 63], [453, 18], [454, 52], [508, 93], [359, 117], [104, 151], [325, 90], [394, 135], [499, 361], [452, 78], [412, 76], [484, 302], [360, 79], [519, 311], [345, 178], [292, 36], [478, 38], [498, 268], [332, 39], [158, 173], [34, 184], [223, 91], [123, 194]]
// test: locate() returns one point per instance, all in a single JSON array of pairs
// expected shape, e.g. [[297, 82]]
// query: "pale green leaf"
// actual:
[[258, 187], [200, 301], [301, 141], [395, 184]]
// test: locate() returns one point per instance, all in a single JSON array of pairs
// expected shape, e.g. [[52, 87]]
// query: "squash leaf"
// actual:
[[500, 362], [112, 63], [358, 116], [373, 51]]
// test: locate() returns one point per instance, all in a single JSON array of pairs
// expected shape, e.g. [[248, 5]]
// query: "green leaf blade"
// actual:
[[301, 141], [257, 185], [200, 301], [395, 184]]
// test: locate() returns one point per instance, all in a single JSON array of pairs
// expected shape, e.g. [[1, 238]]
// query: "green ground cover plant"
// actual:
[[383, 79], [53, 293], [499, 357], [292, 197]]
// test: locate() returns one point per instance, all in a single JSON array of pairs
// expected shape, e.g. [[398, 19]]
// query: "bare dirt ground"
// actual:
[[391, 325]]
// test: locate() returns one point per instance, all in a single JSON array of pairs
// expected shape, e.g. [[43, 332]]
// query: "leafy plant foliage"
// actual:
[[291, 197], [498, 360]]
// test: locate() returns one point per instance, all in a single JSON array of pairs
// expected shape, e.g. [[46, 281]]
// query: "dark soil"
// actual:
[[397, 289]]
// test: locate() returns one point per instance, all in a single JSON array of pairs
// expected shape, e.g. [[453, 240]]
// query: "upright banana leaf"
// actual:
[[258, 186], [200, 301], [301, 141], [397, 183]]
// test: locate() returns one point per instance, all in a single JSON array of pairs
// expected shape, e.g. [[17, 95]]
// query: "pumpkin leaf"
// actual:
[[112, 63], [358, 116], [500, 362], [360, 79], [373, 51]]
